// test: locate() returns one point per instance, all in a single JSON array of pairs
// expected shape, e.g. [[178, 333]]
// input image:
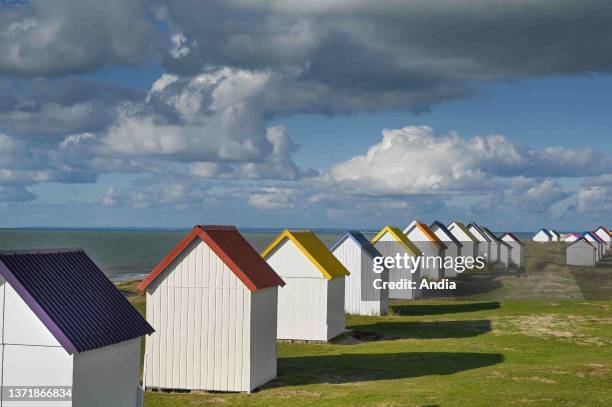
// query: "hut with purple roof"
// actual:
[[67, 329]]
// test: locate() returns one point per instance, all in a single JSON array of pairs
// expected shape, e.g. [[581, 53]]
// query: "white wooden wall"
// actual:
[[263, 336], [505, 255], [516, 254], [302, 302], [107, 376], [387, 245], [336, 323], [484, 246], [202, 316], [541, 237], [360, 265], [31, 356], [470, 248], [580, 255]]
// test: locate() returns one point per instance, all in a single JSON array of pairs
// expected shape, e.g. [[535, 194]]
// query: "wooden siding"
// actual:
[[360, 265], [388, 246], [202, 316]]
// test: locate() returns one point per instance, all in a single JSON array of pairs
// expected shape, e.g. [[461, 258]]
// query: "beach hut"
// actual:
[[391, 242], [311, 306], [65, 326], [570, 237], [432, 248], [556, 236], [212, 301], [363, 290], [453, 245], [516, 253], [469, 241], [542, 236], [496, 246], [581, 253], [604, 235], [485, 245], [592, 238]]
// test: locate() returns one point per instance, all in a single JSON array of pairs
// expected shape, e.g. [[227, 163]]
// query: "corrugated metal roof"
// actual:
[[361, 240], [314, 249], [400, 237], [447, 232], [79, 305], [233, 249]]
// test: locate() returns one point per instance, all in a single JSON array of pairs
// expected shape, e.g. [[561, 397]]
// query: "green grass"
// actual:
[[553, 350]]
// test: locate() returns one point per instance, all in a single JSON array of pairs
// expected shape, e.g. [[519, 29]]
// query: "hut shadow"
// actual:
[[594, 284], [351, 368], [423, 330], [439, 309]]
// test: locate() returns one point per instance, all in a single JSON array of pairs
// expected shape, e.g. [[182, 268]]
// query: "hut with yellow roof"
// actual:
[[403, 282], [311, 305]]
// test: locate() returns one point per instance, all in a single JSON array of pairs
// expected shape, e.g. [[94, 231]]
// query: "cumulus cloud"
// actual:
[[416, 160]]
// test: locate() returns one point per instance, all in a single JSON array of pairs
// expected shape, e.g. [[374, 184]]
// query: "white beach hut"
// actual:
[[570, 237], [542, 236], [517, 256], [453, 245], [484, 242], [213, 303], [556, 236], [581, 253], [592, 238], [604, 235], [469, 241], [391, 242], [363, 290], [311, 306], [496, 247], [65, 326], [431, 246]]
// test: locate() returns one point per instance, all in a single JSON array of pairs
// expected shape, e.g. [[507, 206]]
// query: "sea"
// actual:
[[125, 254]]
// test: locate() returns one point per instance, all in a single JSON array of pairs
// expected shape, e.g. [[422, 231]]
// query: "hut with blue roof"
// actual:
[[364, 291], [68, 330], [543, 236]]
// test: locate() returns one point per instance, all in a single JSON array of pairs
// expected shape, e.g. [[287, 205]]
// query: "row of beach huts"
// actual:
[[215, 307], [584, 248]]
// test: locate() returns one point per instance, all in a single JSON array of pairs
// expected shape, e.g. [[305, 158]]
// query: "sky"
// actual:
[[334, 114]]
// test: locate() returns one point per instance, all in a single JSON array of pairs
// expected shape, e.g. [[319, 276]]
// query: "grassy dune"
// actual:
[[481, 347]]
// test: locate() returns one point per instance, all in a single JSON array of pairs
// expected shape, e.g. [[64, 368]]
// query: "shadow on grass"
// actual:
[[427, 330], [439, 309], [595, 284], [350, 368]]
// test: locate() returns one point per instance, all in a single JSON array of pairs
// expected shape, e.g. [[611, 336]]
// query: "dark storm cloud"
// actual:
[[46, 38]]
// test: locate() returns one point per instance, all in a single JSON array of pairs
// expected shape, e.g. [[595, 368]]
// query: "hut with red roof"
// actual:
[[213, 303]]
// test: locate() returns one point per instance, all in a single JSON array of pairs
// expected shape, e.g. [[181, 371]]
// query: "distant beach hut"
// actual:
[[453, 245], [213, 303], [357, 254], [65, 325], [390, 241], [542, 236], [485, 245], [556, 236], [604, 235], [517, 255], [469, 241], [311, 306], [581, 253], [496, 247], [570, 237], [431, 246], [595, 241]]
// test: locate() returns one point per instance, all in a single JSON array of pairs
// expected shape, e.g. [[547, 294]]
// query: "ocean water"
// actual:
[[124, 254]]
